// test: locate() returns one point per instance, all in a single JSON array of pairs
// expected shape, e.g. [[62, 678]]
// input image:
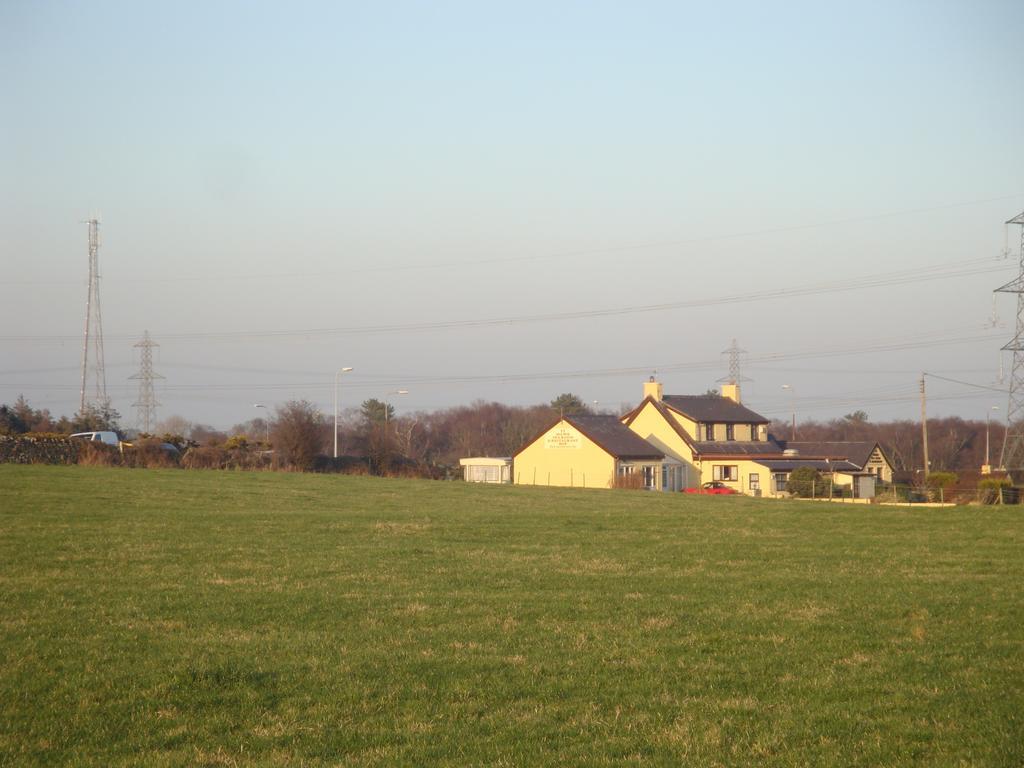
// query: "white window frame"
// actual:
[[725, 473]]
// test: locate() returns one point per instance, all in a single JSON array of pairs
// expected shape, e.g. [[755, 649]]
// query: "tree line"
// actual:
[[954, 444], [300, 435]]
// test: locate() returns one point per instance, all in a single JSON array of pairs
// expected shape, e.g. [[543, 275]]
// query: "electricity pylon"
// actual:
[[93, 327], [1012, 455], [734, 352], [145, 416]]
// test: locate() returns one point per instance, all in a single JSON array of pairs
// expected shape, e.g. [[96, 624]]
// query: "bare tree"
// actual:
[[297, 434], [173, 425]]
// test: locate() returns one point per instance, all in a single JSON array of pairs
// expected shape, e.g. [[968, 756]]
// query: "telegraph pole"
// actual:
[[924, 426], [1012, 455], [93, 325], [145, 417]]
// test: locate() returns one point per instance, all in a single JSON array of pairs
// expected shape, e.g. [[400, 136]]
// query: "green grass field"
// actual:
[[167, 618]]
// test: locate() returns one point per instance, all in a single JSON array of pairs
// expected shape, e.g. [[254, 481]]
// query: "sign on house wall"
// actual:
[[562, 437]]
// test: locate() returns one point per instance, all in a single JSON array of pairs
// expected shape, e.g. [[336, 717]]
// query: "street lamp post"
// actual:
[[988, 416], [338, 373], [792, 402], [266, 424]]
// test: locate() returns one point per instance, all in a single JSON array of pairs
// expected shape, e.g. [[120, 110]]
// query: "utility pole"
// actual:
[[924, 427], [145, 417], [792, 402], [1012, 455], [93, 325]]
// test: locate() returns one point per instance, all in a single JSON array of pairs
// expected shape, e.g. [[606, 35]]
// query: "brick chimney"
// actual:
[[731, 391], [652, 389]]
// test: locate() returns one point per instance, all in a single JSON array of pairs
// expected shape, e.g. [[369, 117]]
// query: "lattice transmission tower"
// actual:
[[734, 352], [93, 328], [146, 404], [1012, 456]]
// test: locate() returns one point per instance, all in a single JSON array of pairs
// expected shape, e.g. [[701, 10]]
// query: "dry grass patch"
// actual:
[[401, 528]]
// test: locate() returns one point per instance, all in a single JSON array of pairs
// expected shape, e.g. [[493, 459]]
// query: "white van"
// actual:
[[108, 438]]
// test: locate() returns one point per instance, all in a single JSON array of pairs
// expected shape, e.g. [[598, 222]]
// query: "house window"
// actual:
[[649, 475], [781, 478], [709, 432], [626, 469], [755, 481], [726, 472], [754, 436], [730, 433]]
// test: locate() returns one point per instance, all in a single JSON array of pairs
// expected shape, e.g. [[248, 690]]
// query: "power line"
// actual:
[[938, 337], [966, 383], [488, 261], [900, 277]]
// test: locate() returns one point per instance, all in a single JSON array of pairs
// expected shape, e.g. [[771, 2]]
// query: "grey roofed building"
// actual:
[[858, 452], [822, 465], [707, 448], [713, 408], [614, 437]]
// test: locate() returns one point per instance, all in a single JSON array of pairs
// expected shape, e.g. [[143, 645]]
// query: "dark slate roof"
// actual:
[[615, 437], [857, 452], [662, 409], [713, 408], [737, 448], [788, 465]]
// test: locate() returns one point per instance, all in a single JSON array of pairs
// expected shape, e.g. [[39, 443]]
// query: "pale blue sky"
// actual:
[[266, 168]]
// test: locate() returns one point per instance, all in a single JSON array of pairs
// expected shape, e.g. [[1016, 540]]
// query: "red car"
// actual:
[[715, 488]]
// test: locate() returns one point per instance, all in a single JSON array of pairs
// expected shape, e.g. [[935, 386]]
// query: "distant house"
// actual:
[[594, 452], [841, 473], [684, 441], [718, 439], [866, 456], [714, 437]]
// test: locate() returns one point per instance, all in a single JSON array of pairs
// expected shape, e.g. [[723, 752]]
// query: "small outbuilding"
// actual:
[[485, 469]]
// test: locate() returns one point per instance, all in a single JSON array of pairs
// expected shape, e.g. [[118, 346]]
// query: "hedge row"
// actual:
[[39, 449]]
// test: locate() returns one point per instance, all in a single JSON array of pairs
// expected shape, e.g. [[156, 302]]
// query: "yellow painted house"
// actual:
[[594, 452], [714, 437], [674, 442]]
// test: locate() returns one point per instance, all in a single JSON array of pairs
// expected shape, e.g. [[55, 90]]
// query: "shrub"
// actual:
[[237, 443], [937, 484], [204, 457], [941, 479], [805, 482], [149, 452], [989, 490], [94, 454], [39, 448], [633, 482]]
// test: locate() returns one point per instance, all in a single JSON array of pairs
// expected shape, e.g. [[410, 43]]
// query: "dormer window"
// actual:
[[754, 435], [729, 433], [709, 432]]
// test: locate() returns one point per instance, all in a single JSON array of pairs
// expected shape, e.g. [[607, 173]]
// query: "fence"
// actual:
[[915, 494]]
